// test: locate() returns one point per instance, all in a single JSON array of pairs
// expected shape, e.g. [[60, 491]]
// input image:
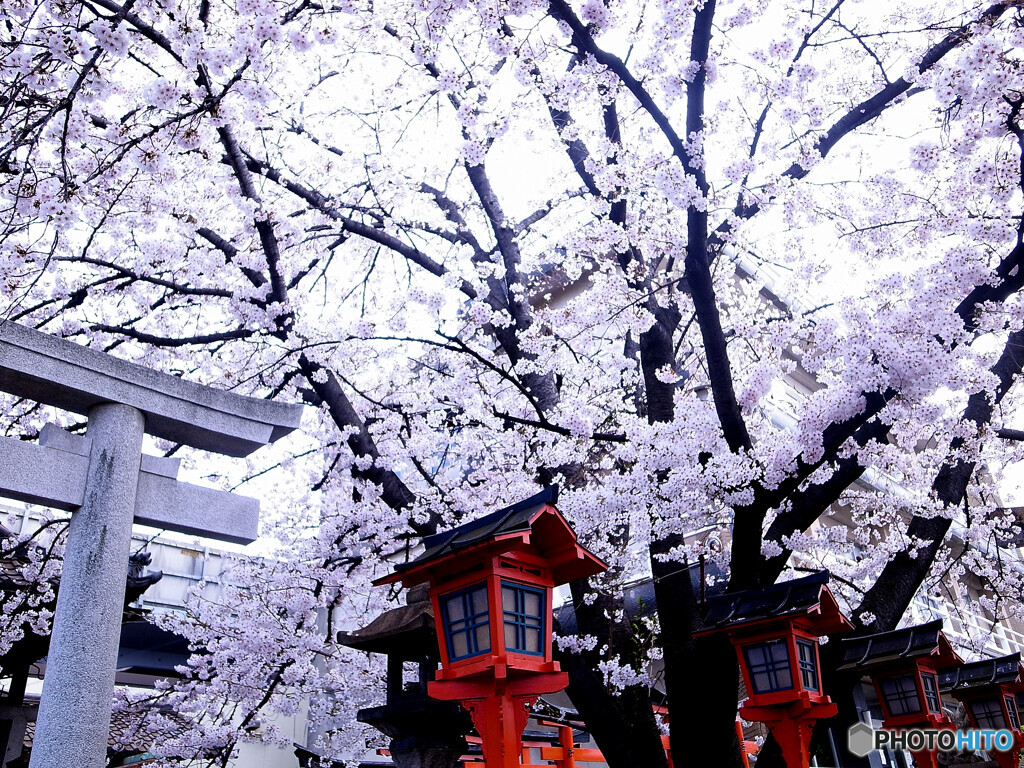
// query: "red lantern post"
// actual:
[[903, 665], [775, 631], [988, 690], [491, 584]]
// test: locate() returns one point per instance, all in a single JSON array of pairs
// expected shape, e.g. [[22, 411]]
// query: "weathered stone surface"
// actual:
[[164, 502], [40, 475], [424, 733], [63, 374], [108, 483], [74, 711], [55, 477]]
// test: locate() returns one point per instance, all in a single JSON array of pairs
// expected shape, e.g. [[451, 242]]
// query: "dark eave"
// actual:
[[900, 644], [788, 597], [533, 525], [406, 632], [513, 519], [1006, 670]]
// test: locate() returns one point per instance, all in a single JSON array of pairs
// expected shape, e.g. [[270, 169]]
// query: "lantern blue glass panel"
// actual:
[[1011, 709], [931, 693], [988, 713], [769, 668], [466, 622], [523, 609], [808, 652], [900, 694]]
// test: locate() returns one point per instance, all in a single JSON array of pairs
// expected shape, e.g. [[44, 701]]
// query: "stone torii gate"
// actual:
[[106, 481]]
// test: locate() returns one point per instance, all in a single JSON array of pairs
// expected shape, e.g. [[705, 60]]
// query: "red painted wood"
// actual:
[[1011, 758], [789, 714], [498, 687]]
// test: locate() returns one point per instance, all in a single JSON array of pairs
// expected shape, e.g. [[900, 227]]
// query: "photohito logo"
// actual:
[[862, 738]]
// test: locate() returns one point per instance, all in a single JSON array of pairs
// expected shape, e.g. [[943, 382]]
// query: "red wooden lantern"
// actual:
[[775, 631], [988, 690], [903, 665], [491, 584]]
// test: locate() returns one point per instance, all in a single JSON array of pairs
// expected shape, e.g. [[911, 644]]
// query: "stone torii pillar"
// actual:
[[106, 481]]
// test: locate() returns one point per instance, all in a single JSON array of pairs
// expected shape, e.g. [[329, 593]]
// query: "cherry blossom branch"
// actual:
[[606, 437], [454, 215], [577, 151], [888, 598], [320, 203], [186, 290], [872, 107], [147, 30], [759, 125], [808, 504], [1009, 274], [584, 42], [231, 252], [173, 341], [395, 493]]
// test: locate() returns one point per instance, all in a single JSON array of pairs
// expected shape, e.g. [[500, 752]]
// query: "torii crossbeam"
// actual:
[[107, 482]]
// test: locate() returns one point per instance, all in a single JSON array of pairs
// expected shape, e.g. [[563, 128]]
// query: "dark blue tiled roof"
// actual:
[[1001, 671], [908, 643], [798, 595], [513, 519]]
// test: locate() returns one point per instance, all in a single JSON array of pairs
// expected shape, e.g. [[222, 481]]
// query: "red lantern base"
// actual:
[[500, 708], [791, 725], [929, 720], [794, 738]]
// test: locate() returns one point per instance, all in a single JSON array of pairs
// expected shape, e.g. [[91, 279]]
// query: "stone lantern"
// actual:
[[775, 632], [491, 585], [424, 733]]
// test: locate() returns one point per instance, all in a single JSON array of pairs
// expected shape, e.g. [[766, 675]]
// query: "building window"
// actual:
[[808, 664], [1011, 710], [900, 694], [466, 622], [931, 693], [769, 666], [988, 713], [523, 610]]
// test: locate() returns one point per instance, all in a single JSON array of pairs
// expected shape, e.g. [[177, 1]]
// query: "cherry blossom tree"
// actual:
[[709, 266]]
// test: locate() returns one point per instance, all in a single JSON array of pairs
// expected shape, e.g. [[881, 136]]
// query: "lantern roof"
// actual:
[[533, 523], [924, 640], [808, 596], [406, 632], [1006, 670]]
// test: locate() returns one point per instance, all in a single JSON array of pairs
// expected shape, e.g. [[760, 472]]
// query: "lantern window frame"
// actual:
[[992, 707], [903, 692], [809, 668], [470, 629], [1012, 714], [785, 664], [519, 622], [931, 693]]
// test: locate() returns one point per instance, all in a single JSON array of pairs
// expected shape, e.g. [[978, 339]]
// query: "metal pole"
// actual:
[[78, 688]]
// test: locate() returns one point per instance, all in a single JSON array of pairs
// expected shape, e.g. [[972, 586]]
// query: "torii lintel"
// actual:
[[58, 372]]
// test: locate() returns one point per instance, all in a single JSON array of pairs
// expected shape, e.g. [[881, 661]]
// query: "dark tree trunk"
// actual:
[[623, 725], [701, 673]]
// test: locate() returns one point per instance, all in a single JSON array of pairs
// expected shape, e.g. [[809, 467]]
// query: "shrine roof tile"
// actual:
[[908, 643], [1004, 670], [795, 596], [513, 519]]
